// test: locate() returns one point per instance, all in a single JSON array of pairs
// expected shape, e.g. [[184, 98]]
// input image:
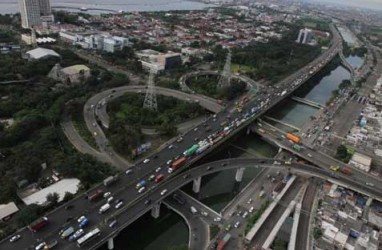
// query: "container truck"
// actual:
[[293, 138], [38, 224], [190, 151], [346, 170], [202, 148], [159, 178], [110, 180], [96, 195], [223, 242], [67, 233], [104, 208], [178, 163]]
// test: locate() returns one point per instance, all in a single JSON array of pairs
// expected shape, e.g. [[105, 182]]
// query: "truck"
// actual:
[[191, 150], [159, 178], [178, 163], [67, 233], [104, 208], [96, 195], [297, 147], [38, 224], [223, 242], [293, 138], [110, 180], [50, 245], [202, 148], [346, 170], [83, 223]]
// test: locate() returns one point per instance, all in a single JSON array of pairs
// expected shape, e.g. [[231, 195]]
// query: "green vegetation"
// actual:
[[209, 86], [317, 233], [253, 219], [273, 60], [319, 24], [279, 244], [343, 154], [127, 117], [214, 230]]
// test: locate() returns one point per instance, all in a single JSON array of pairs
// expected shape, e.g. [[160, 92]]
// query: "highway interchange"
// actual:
[[125, 187]]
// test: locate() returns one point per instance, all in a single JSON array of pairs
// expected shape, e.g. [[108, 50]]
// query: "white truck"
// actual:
[[104, 208]]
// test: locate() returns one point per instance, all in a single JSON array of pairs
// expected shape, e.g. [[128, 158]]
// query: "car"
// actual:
[[370, 184], [76, 235], [249, 201], [141, 190], [186, 176], [110, 199], [237, 224], [196, 129], [196, 139], [239, 213], [171, 146], [118, 201], [251, 209], [169, 162], [164, 191], [151, 177], [158, 169], [113, 223], [119, 204], [209, 168], [40, 246], [81, 219], [245, 214], [155, 156], [129, 171], [147, 202], [228, 227], [146, 161], [204, 213], [15, 238], [217, 219], [309, 155], [180, 139]]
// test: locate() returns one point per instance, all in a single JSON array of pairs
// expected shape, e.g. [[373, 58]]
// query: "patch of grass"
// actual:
[[80, 126]]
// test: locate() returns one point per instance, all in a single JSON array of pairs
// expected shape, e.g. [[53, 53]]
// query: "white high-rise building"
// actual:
[[34, 12]]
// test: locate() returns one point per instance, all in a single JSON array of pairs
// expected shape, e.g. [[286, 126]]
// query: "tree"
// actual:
[[52, 198], [342, 152], [67, 197], [28, 214]]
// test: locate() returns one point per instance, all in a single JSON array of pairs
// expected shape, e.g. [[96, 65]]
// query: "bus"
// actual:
[[88, 237]]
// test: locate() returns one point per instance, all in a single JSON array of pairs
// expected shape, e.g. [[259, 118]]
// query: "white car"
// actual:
[[171, 146], [204, 213], [158, 169], [370, 184], [107, 194], [245, 214], [217, 219], [141, 190], [110, 199], [81, 219], [251, 209], [129, 171], [164, 191], [237, 224], [146, 161], [15, 238], [119, 204], [169, 162], [40, 246]]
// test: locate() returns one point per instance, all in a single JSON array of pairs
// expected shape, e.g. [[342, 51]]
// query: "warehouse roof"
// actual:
[[75, 69], [60, 187], [7, 210], [40, 53], [361, 159]]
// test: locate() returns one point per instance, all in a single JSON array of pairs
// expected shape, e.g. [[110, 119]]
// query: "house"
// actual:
[[7, 210], [70, 75]]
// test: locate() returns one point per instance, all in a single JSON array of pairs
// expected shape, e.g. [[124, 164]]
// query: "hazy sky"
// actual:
[[373, 4]]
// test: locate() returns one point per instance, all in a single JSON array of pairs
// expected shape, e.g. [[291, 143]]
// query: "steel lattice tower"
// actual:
[[151, 98], [225, 77]]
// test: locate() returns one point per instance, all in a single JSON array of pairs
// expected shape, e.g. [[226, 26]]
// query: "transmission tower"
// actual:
[[151, 98], [225, 77]]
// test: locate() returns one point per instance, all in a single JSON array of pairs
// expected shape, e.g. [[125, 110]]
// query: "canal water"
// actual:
[[218, 189], [319, 91]]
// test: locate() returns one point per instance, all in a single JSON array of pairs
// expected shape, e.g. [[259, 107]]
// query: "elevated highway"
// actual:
[[136, 204], [125, 187]]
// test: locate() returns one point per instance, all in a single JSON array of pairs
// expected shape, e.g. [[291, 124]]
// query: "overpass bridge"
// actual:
[[84, 8], [307, 102], [135, 202]]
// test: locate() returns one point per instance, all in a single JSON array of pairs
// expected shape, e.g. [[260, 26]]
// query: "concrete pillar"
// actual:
[[110, 243], [196, 184], [155, 211], [239, 174]]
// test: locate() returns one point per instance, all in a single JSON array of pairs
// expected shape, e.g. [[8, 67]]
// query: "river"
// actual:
[[11, 6]]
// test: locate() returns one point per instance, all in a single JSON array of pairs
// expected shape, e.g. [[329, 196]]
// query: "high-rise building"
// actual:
[[34, 12]]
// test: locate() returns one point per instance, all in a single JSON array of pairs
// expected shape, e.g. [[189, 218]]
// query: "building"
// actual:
[[305, 36], [70, 75], [35, 12], [7, 210], [157, 61], [60, 187], [40, 53], [361, 161]]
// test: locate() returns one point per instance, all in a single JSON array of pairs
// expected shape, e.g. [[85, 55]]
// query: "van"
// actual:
[[193, 210]]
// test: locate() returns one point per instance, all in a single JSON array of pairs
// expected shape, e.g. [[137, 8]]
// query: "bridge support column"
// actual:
[[110, 243], [196, 184], [155, 211], [239, 174]]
